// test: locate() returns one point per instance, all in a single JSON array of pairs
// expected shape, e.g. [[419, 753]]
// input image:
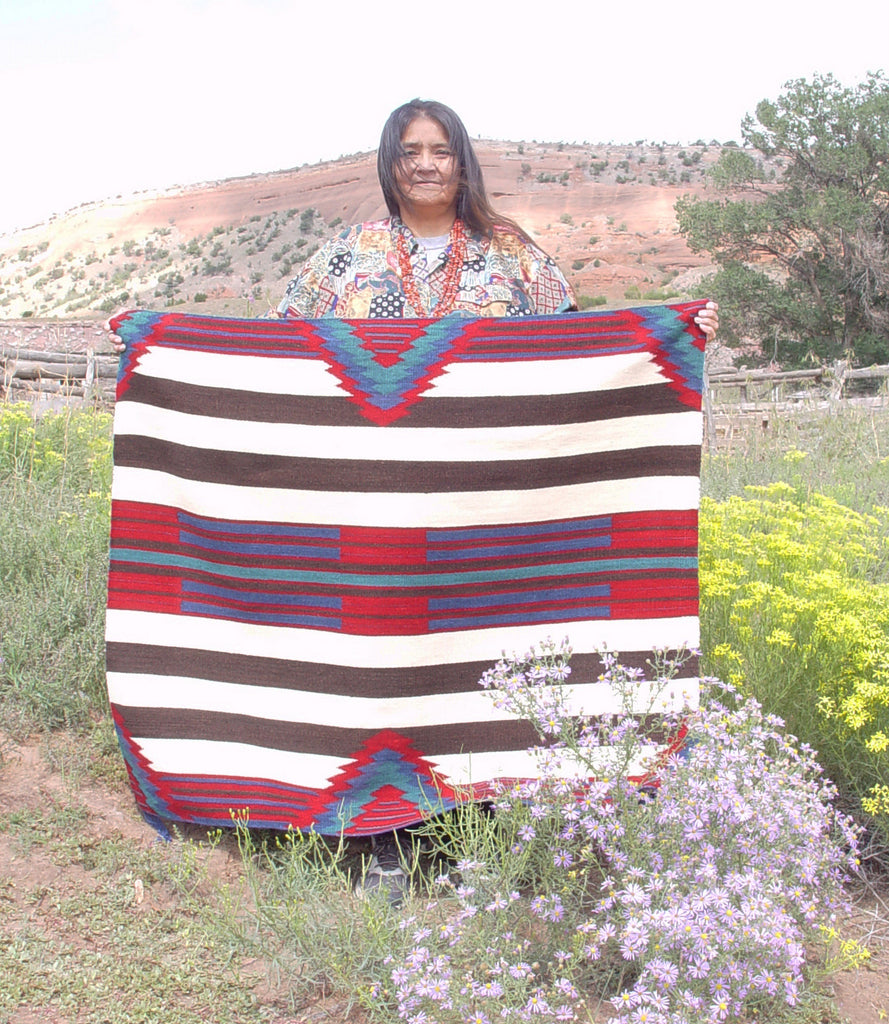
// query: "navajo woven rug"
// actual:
[[324, 531]]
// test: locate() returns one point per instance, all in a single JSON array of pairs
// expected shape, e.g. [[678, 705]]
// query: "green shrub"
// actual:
[[211, 268], [591, 301]]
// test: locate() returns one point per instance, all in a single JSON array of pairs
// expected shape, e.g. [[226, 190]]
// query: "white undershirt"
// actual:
[[434, 248]]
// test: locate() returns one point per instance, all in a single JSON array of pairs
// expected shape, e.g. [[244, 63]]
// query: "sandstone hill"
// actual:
[[229, 247]]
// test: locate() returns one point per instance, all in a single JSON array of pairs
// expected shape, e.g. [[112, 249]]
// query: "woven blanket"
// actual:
[[325, 531]]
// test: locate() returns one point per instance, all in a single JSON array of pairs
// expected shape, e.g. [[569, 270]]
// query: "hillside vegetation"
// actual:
[[604, 212]]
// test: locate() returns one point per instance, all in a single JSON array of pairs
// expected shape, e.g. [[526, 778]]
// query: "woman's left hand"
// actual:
[[708, 320]]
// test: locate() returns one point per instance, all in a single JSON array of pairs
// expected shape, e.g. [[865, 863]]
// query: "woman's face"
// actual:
[[427, 177]]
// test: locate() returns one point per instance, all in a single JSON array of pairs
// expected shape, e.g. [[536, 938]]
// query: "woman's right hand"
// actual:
[[117, 343]]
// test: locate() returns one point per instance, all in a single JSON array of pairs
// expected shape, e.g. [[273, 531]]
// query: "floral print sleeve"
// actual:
[[536, 284], [311, 294]]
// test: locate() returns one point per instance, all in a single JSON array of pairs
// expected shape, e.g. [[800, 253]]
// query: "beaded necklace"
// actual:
[[456, 255]]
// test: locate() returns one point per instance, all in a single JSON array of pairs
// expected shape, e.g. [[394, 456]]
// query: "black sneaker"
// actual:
[[385, 870]]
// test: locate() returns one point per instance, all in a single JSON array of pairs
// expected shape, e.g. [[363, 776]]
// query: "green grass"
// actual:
[[95, 926], [55, 478], [844, 456], [304, 920], [94, 953]]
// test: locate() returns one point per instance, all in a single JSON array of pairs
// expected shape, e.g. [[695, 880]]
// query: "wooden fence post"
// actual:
[[708, 410], [838, 383], [89, 376]]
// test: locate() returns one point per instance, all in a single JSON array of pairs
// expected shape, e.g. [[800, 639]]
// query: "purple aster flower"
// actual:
[[478, 1018], [536, 1004], [521, 970], [490, 990]]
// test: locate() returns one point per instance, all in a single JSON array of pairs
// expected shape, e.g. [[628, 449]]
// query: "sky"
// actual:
[[109, 97]]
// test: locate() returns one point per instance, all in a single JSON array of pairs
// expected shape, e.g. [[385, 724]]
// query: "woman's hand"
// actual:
[[708, 321], [117, 343]]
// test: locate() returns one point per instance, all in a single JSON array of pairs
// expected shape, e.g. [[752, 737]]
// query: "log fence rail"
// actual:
[[736, 400]]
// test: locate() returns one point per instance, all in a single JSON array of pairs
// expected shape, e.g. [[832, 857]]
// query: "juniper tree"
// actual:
[[803, 255]]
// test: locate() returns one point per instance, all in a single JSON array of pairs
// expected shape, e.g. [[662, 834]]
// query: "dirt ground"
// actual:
[[31, 782]]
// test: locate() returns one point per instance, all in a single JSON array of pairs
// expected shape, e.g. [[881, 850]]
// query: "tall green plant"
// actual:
[[844, 456]]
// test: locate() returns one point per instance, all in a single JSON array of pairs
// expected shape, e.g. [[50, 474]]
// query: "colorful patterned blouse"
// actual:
[[356, 276]]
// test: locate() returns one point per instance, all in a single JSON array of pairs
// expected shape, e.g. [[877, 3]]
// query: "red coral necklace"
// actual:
[[456, 256]]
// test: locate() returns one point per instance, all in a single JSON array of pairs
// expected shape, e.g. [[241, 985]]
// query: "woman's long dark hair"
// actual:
[[473, 207]]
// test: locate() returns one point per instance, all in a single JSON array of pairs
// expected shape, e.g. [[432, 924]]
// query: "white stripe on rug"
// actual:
[[201, 758], [346, 712], [316, 646], [423, 511], [427, 444], [312, 377]]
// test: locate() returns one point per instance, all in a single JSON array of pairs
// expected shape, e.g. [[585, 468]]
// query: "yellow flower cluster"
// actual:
[[72, 448], [843, 954], [795, 609]]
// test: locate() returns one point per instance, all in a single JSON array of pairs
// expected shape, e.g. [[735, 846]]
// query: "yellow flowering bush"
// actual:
[[71, 448], [17, 436], [795, 610]]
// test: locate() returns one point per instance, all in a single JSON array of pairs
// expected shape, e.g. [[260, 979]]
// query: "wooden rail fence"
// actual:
[[27, 373], [734, 401]]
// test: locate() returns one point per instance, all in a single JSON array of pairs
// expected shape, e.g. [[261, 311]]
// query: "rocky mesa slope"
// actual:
[[604, 212]]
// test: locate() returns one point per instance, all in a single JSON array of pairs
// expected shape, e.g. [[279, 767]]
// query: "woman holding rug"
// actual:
[[442, 250]]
